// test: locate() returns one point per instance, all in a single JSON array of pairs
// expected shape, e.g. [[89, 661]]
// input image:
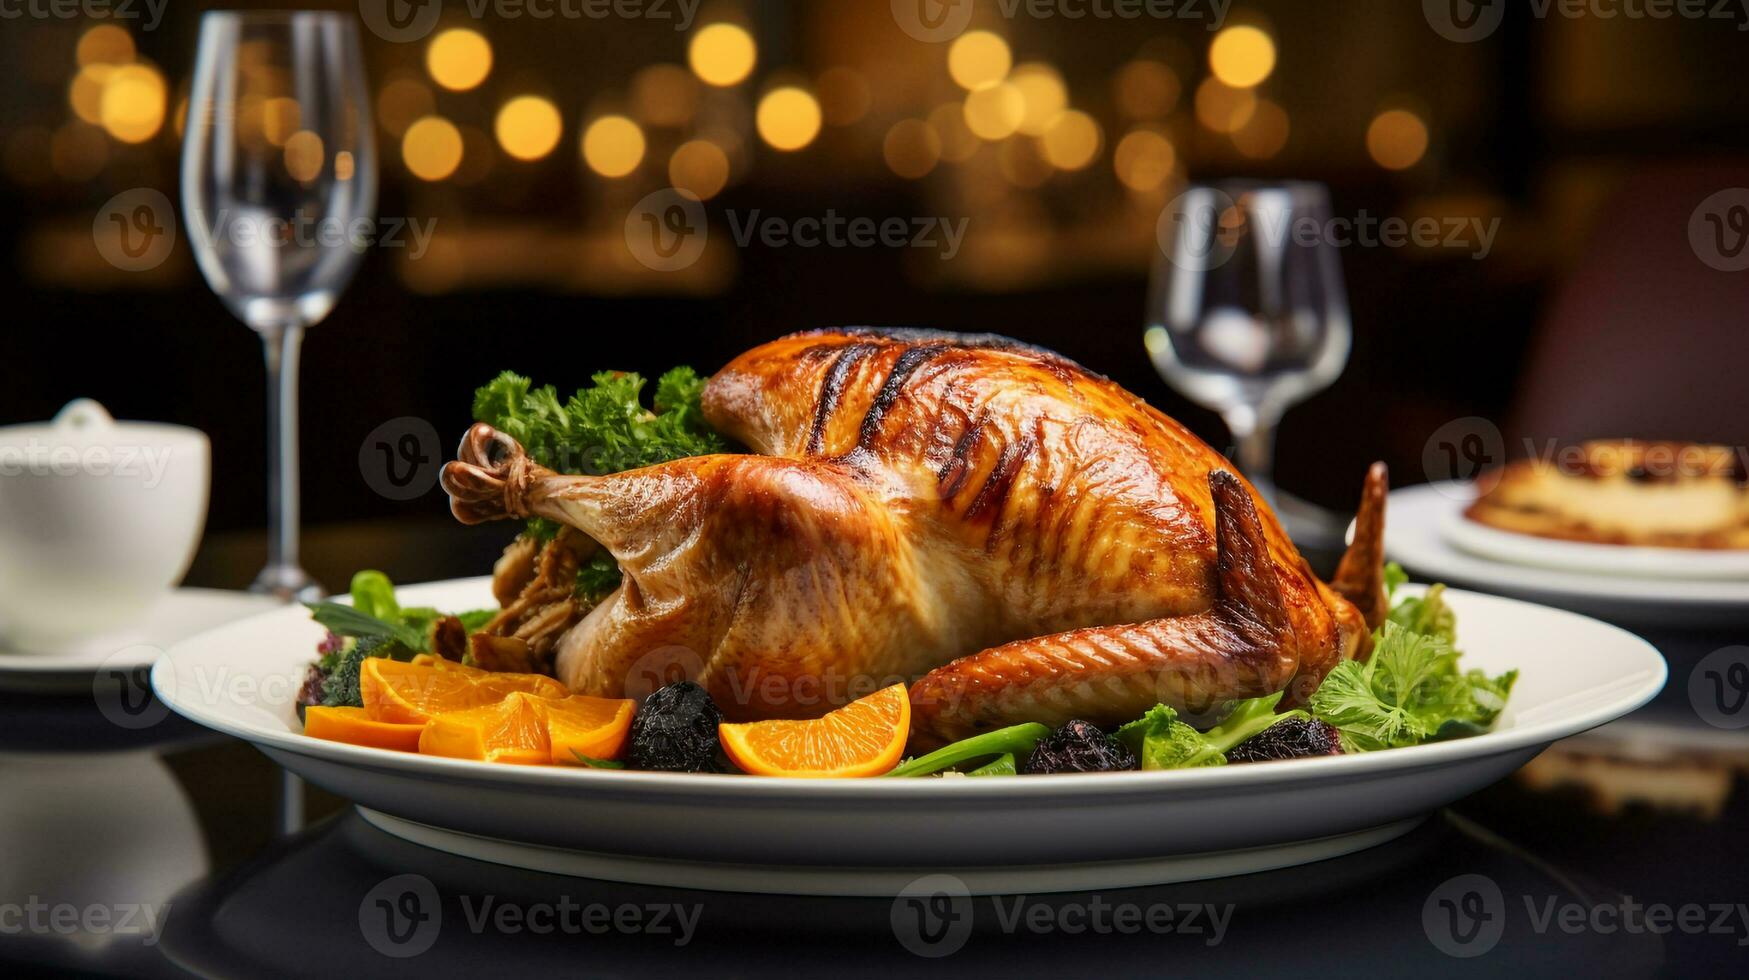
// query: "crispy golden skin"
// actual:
[[1022, 539]]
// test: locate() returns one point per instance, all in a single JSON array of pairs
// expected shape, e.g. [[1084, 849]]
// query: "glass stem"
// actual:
[[1253, 431], [282, 577]]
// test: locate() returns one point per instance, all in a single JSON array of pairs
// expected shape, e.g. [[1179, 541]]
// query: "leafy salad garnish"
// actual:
[[375, 625], [602, 428], [1161, 741]]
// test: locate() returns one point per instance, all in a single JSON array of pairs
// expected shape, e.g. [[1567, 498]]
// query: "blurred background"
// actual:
[[520, 144]]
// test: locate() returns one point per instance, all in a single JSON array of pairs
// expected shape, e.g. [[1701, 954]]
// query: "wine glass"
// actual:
[[279, 196], [1246, 311]]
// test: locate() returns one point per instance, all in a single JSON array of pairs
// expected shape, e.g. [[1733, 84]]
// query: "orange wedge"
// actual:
[[410, 693], [354, 725], [530, 730], [863, 738], [511, 730]]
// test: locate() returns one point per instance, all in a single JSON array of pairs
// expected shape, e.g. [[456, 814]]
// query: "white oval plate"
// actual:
[[1584, 556], [876, 836], [1416, 534]]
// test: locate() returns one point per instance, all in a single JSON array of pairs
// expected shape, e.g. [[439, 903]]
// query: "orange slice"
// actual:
[[409, 693], [582, 725], [511, 730], [354, 725], [863, 738], [530, 730]]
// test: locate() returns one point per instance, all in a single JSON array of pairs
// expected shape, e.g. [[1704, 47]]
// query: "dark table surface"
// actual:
[[166, 852]]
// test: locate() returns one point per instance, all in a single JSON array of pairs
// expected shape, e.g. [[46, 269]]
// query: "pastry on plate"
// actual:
[[1624, 491]]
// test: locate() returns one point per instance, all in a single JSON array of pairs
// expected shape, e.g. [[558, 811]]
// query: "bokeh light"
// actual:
[[722, 54], [1242, 56], [912, 148], [978, 58], [402, 101], [1223, 108], [133, 104], [85, 92], [788, 118], [1145, 90], [1043, 91], [1396, 139], [699, 167], [1022, 164], [613, 146], [280, 117], [78, 150], [1265, 134], [958, 142], [432, 148], [528, 127], [345, 166], [105, 44], [303, 156], [995, 111], [459, 58], [1143, 159], [1072, 140], [844, 95], [664, 95]]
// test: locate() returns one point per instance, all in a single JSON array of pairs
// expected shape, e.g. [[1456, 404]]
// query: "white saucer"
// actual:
[[182, 613], [1419, 523]]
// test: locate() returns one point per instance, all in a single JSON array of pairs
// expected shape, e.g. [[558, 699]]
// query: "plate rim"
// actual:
[[1637, 688], [1473, 538]]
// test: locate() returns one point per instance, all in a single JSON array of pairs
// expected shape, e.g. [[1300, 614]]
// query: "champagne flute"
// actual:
[[1247, 314], [279, 196]]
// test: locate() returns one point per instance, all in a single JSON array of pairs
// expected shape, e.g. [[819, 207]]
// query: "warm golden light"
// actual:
[[995, 112], [1072, 140], [478, 152], [85, 93], [432, 148], [958, 142], [722, 54], [1044, 93], [1222, 108], [844, 96], [1145, 90], [528, 127], [912, 148], [1396, 139], [105, 44], [978, 58], [280, 117], [664, 95], [699, 167], [459, 58], [788, 118], [1143, 160], [1266, 133], [133, 103], [613, 146], [303, 156], [1021, 163], [344, 165], [401, 102], [1242, 56]]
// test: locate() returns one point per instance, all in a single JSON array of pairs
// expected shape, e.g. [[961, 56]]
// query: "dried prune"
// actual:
[[1291, 739], [1079, 746], [675, 731]]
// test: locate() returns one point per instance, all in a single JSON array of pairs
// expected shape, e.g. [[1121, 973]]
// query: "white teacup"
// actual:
[[98, 520]]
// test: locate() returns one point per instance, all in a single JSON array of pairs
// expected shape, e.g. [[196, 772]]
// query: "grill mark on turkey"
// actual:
[[994, 493], [832, 390], [908, 362], [952, 476]]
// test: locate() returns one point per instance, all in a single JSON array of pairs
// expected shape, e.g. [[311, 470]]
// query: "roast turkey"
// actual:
[[1016, 537]]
